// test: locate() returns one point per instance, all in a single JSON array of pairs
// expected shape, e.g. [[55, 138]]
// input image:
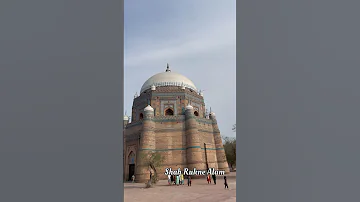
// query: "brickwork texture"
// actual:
[[183, 139]]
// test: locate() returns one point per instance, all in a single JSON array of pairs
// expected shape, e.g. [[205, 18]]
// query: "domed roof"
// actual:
[[189, 107], [168, 78], [149, 108]]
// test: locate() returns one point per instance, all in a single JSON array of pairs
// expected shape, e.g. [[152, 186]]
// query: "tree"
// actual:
[[230, 150], [154, 161]]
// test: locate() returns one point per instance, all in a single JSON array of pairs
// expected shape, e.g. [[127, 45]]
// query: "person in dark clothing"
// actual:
[[189, 180], [214, 178], [225, 183]]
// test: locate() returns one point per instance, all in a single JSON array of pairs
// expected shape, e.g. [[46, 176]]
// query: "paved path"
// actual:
[[199, 191]]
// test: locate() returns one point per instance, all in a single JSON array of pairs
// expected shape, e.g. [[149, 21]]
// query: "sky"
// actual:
[[196, 37]]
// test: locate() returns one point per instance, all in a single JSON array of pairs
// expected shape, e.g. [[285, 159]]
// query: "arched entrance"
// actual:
[[131, 160], [169, 112]]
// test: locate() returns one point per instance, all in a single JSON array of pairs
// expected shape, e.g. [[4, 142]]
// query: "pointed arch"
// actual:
[[131, 157], [169, 112]]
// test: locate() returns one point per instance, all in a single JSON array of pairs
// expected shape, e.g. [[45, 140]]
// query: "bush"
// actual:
[[230, 150]]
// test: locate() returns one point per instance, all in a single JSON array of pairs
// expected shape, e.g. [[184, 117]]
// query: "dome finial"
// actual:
[[167, 68]]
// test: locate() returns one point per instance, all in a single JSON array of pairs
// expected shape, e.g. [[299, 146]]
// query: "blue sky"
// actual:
[[196, 37]]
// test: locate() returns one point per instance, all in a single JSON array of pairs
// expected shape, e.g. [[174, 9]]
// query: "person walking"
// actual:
[[189, 180], [208, 179], [177, 180], [182, 179], [133, 178], [169, 179], [226, 183], [214, 178]]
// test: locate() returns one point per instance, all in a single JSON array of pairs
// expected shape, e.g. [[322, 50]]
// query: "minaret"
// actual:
[[125, 120], [147, 144], [194, 155], [153, 87], [182, 86], [206, 114], [201, 93], [220, 152]]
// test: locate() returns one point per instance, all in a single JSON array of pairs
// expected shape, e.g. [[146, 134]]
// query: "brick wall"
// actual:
[[170, 134]]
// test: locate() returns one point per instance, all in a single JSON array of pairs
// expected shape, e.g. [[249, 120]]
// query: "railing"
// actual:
[[162, 118], [169, 118], [203, 120]]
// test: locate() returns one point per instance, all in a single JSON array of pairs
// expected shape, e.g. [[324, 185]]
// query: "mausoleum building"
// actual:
[[169, 116]]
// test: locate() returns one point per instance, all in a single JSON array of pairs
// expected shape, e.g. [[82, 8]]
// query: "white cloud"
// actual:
[[205, 40]]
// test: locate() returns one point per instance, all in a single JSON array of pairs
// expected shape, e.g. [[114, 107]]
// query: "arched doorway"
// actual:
[[169, 112], [196, 113], [131, 160], [141, 116]]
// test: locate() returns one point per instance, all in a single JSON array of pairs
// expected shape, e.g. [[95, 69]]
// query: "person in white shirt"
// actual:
[[169, 179]]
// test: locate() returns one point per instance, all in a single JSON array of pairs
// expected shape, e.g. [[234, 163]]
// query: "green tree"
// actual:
[[230, 150], [154, 161]]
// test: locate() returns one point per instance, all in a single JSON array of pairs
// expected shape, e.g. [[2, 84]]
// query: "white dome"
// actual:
[[189, 107], [149, 108], [168, 78]]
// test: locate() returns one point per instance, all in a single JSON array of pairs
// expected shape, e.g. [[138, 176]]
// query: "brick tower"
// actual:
[[220, 152], [194, 154], [147, 144]]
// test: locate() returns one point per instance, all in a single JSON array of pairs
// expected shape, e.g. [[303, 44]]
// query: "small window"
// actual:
[[169, 112], [141, 116], [196, 113]]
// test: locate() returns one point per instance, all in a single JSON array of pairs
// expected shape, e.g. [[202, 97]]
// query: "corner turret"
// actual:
[[220, 152], [194, 154], [147, 144]]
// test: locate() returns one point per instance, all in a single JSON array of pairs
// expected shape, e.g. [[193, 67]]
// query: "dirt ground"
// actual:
[[199, 191]]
